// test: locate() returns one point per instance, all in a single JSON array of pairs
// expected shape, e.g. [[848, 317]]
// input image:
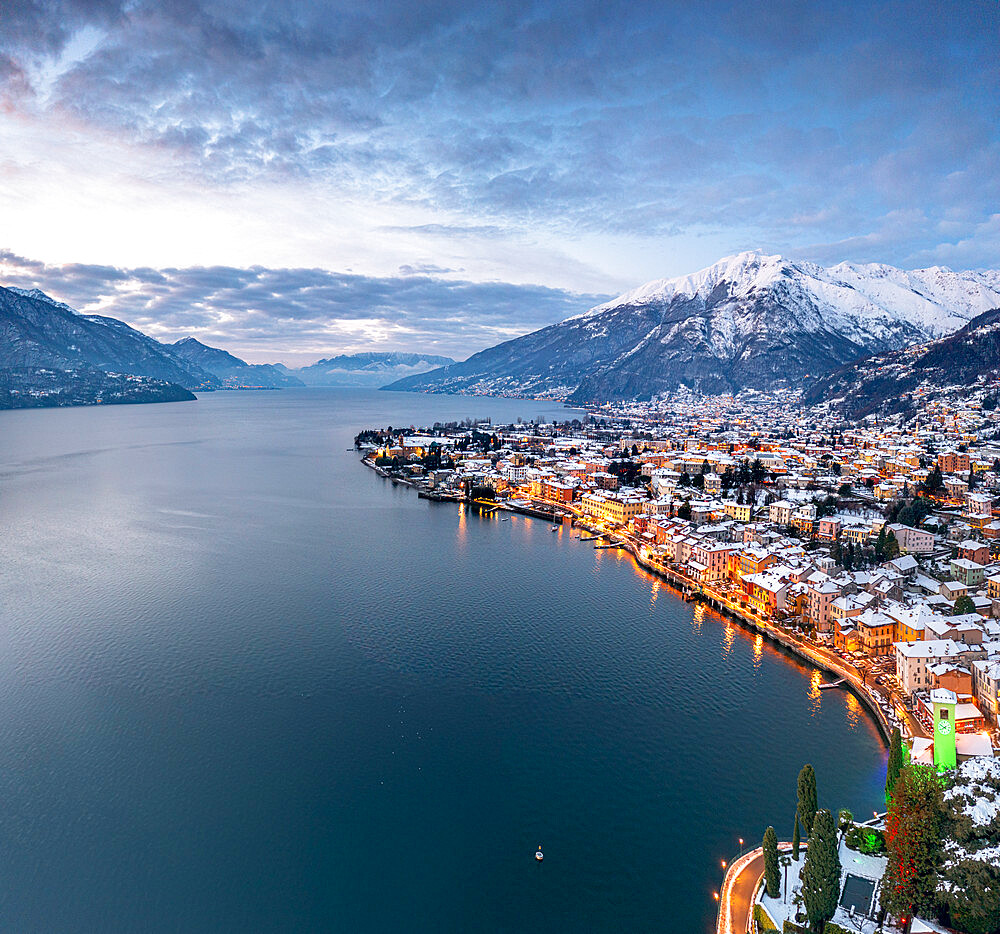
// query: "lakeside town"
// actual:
[[869, 549]]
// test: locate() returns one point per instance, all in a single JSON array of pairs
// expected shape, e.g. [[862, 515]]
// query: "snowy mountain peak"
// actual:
[[752, 320], [39, 296], [935, 301], [750, 269]]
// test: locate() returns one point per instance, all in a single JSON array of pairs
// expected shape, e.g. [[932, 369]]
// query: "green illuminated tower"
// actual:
[[944, 703]]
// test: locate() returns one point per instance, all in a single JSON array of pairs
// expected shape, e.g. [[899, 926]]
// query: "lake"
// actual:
[[248, 685]]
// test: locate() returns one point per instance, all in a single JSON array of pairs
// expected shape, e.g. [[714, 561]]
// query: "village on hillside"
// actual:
[[876, 544]]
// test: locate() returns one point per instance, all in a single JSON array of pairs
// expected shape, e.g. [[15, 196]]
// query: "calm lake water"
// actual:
[[248, 685]]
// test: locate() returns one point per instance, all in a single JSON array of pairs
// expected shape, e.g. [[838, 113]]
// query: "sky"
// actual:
[[290, 180]]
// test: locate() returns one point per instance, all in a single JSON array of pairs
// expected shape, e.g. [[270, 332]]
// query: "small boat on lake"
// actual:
[[538, 853]]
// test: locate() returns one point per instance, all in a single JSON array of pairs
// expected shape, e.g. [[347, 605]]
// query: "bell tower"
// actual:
[[944, 703]]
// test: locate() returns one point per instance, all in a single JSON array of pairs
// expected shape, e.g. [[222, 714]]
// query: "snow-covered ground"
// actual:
[[976, 794], [789, 902]]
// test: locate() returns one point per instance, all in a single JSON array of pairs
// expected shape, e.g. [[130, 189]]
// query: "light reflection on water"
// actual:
[[727, 638], [815, 694], [855, 714], [334, 690]]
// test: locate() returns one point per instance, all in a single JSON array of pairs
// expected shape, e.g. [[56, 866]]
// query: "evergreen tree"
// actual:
[[971, 893], [821, 872], [891, 546], [806, 811], [796, 840], [913, 836], [895, 763], [964, 605], [934, 480], [772, 875]]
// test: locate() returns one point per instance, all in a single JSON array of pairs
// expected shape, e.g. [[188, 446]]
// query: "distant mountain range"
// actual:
[[230, 371], [749, 321], [890, 382], [367, 369], [52, 355]]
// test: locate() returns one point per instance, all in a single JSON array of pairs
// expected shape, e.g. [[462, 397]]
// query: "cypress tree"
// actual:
[[772, 876], [821, 872], [796, 840], [895, 763], [807, 798]]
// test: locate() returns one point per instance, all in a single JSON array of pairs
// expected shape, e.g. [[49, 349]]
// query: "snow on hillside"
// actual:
[[873, 297], [40, 296]]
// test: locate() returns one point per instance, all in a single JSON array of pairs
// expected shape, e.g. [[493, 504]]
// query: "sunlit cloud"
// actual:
[[297, 315], [585, 146]]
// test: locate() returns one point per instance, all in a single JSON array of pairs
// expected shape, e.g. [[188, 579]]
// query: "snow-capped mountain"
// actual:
[[750, 320], [368, 369]]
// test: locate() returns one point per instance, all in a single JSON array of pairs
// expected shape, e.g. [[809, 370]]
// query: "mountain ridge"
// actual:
[[230, 370], [368, 369], [888, 382], [748, 321], [37, 331]]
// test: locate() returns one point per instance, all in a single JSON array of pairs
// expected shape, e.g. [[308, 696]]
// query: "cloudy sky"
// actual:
[[293, 179]]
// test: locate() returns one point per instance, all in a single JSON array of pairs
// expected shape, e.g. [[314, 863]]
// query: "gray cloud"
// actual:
[[611, 117], [299, 313]]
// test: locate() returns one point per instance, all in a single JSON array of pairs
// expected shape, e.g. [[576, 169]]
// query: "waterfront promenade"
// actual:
[[809, 651], [739, 889]]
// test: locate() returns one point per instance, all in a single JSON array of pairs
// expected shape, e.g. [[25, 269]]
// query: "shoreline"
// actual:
[[741, 879], [690, 591]]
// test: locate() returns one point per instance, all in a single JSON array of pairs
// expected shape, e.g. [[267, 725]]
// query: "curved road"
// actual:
[[739, 889]]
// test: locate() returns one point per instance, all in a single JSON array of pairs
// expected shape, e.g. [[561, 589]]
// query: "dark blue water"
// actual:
[[248, 685]]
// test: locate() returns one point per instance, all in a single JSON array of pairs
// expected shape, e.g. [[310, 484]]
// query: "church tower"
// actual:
[[944, 703]]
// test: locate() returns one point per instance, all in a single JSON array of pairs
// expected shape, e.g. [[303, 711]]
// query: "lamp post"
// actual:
[[741, 847], [786, 861]]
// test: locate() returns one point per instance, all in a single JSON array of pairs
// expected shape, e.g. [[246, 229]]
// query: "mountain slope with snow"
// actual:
[[964, 361], [37, 331], [748, 321]]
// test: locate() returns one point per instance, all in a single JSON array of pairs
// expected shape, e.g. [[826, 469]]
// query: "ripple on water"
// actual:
[[246, 684]]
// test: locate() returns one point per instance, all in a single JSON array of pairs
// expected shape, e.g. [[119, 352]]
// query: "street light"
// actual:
[[786, 861], [741, 847]]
